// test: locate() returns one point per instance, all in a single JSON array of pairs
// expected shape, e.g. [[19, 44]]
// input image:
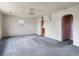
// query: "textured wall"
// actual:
[[10, 26], [0, 25], [53, 27]]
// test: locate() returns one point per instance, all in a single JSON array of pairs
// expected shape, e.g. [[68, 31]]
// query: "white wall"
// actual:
[[0, 25], [53, 27], [10, 26], [38, 25], [58, 17]]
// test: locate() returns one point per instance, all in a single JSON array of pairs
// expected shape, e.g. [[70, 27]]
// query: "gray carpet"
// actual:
[[36, 46]]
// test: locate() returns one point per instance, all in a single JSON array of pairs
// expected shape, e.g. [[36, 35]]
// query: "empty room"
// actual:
[[39, 28]]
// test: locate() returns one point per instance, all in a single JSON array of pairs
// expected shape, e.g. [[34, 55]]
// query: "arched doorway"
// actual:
[[42, 27], [67, 21]]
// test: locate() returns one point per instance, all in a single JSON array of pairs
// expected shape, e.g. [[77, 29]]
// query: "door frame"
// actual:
[[62, 26], [42, 26]]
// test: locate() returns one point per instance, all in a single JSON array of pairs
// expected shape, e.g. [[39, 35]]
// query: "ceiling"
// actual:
[[21, 9]]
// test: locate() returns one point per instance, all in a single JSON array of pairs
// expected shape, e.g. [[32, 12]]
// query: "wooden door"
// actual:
[[43, 27], [67, 27]]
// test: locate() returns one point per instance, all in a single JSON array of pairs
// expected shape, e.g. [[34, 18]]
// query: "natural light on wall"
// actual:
[[21, 23]]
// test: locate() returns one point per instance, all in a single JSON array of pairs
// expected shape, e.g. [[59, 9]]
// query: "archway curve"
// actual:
[[67, 32], [66, 15]]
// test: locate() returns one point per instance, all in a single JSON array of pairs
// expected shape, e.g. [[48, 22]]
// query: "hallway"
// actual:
[[34, 45]]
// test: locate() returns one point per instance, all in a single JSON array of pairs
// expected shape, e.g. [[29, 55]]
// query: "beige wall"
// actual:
[[53, 27], [58, 16], [0, 25], [38, 26], [10, 26]]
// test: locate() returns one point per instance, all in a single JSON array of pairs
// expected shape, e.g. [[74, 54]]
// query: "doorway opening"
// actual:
[[67, 21], [42, 27]]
